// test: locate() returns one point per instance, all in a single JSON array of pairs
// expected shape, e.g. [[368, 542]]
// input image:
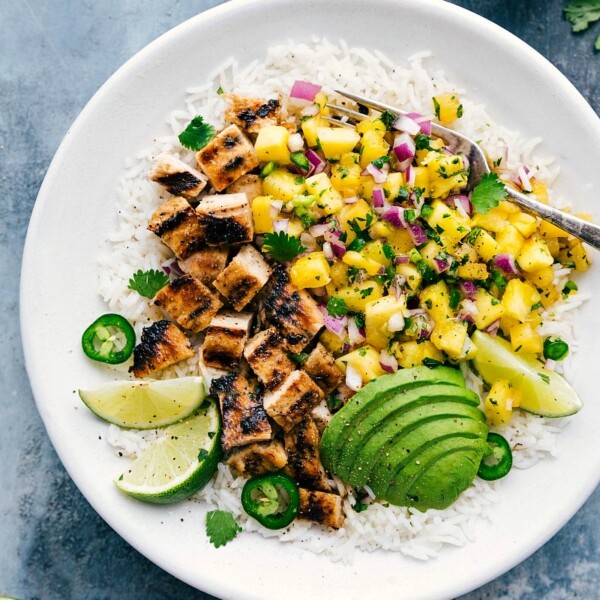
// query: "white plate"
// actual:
[[74, 212]]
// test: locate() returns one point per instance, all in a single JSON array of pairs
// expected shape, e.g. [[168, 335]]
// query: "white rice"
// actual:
[[132, 247]]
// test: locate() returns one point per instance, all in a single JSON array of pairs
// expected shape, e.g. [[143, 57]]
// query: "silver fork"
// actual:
[[458, 143]]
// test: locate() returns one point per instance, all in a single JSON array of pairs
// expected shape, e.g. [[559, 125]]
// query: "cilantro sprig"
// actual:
[[221, 527], [336, 307], [147, 283], [282, 247], [488, 193], [197, 134], [581, 14]]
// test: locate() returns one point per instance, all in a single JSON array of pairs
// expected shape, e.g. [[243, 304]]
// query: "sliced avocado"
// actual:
[[440, 485], [401, 480], [393, 431], [374, 419], [374, 393]]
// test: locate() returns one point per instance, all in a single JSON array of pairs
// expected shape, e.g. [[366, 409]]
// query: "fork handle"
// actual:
[[584, 230]]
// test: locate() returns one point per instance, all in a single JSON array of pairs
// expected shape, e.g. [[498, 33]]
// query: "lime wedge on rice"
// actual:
[[545, 392], [180, 463], [146, 404]]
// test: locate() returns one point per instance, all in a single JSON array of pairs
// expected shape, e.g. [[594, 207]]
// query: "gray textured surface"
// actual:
[[54, 54]]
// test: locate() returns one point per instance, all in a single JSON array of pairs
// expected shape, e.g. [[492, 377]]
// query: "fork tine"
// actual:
[[378, 106], [347, 112]]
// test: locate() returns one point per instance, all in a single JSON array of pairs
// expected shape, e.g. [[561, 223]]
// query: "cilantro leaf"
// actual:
[[336, 307], [147, 283], [388, 119], [436, 107], [197, 134], [488, 193], [282, 247], [221, 527], [582, 13]]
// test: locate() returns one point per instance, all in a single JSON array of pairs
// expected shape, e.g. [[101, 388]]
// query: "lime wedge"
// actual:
[[545, 392], [145, 404], [180, 463]]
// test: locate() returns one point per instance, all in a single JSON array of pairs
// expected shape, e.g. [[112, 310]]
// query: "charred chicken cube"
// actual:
[[189, 302], [320, 365], [304, 464], [205, 264], [226, 219], [177, 177], [293, 310], [244, 418], [267, 355], [244, 277], [292, 400], [177, 224], [225, 339], [321, 507], [258, 459], [163, 344], [252, 113], [227, 157], [248, 184]]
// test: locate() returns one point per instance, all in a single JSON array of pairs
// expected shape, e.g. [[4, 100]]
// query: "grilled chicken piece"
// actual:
[[343, 394], [321, 415], [177, 224], [225, 339], [267, 355], [244, 418], [206, 264], [177, 177], [248, 184], [189, 302], [258, 459], [163, 344], [226, 219], [304, 465], [294, 311], [227, 157], [292, 400], [320, 365], [321, 507], [252, 113], [244, 277]]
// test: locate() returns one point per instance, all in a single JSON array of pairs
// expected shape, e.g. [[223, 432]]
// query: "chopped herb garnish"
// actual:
[[336, 307], [431, 363], [544, 377], [268, 169], [388, 251], [379, 162], [426, 210], [459, 111], [488, 193], [366, 292], [220, 91], [300, 160], [581, 14], [282, 247], [388, 119], [147, 283], [221, 527], [298, 358], [436, 107], [197, 134], [359, 506], [569, 287], [455, 298], [422, 142]]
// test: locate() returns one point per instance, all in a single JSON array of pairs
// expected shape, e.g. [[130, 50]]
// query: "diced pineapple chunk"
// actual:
[[450, 337], [448, 222], [539, 190], [283, 185], [375, 251], [377, 316], [334, 343], [261, 214], [534, 255], [434, 144], [485, 245], [373, 146], [510, 240], [435, 299], [495, 220], [339, 274], [412, 354], [356, 259], [489, 309], [474, 271], [429, 252], [309, 129], [391, 187], [412, 275], [549, 295], [335, 141], [447, 107], [295, 227], [310, 271], [271, 144], [357, 295], [400, 241], [345, 175], [576, 255], [360, 212], [548, 230], [519, 298], [524, 223], [524, 338], [365, 361], [447, 173], [329, 200], [421, 178], [371, 124], [542, 278], [500, 401]]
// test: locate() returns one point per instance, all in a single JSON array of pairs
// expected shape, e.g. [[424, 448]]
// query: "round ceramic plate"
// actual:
[[74, 212]]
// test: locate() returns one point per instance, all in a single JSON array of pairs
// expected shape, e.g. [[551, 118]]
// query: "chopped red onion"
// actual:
[[462, 203], [401, 259], [493, 328], [320, 229], [399, 281], [388, 362], [417, 233], [337, 325], [353, 378], [396, 322], [171, 267], [308, 240], [378, 198], [378, 175], [339, 249], [523, 173], [441, 264], [354, 334], [395, 216], [406, 124], [304, 90], [423, 121], [328, 251], [295, 142], [316, 161], [351, 200], [404, 147], [311, 110], [415, 312], [506, 262], [275, 209], [281, 225], [468, 311], [411, 176], [469, 289]]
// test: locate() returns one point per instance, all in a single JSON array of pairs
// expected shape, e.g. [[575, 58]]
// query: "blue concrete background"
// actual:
[[54, 54]]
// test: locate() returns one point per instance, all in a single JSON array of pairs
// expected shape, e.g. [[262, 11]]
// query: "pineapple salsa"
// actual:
[[407, 267]]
